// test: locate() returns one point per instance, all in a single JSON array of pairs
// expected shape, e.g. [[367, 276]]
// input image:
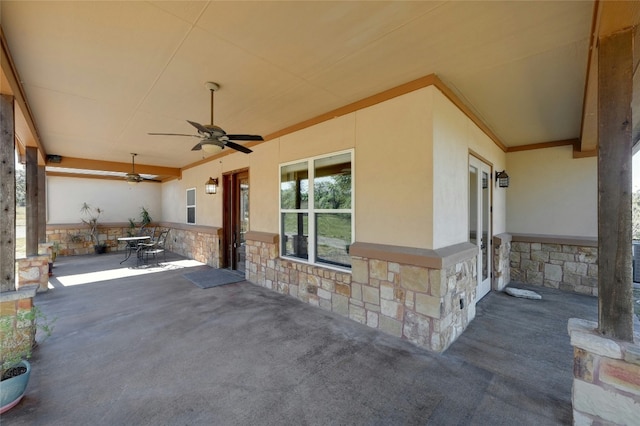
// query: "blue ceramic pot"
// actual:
[[12, 390]]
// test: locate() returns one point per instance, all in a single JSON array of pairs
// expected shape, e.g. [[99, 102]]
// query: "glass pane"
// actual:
[[295, 235], [332, 182], [191, 197], [485, 227], [191, 215], [333, 236], [473, 205], [294, 186]]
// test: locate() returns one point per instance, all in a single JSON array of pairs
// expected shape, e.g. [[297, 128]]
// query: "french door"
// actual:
[[480, 184], [236, 219]]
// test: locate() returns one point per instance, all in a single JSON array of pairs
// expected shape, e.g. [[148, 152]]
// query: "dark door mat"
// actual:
[[214, 277]]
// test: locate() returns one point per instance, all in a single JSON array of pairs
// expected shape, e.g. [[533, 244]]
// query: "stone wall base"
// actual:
[[606, 384], [424, 296], [563, 263], [13, 306], [202, 243]]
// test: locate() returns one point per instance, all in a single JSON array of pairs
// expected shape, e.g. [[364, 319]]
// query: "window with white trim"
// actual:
[[191, 206], [316, 209]]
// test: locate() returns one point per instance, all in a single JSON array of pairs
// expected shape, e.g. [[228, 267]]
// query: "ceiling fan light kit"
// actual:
[[213, 138]]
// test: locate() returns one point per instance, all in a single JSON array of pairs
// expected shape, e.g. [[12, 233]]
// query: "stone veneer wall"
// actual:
[[569, 264], [201, 243], [63, 235], [424, 296], [606, 384], [501, 261], [13, 304]]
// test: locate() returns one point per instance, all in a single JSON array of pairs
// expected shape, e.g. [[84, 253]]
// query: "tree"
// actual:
[[635, 215], [21, 187]]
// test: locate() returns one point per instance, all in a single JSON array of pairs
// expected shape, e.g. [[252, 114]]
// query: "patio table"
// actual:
[[130, 244]]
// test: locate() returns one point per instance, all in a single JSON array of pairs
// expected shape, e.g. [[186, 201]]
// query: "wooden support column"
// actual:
[[32, 201], [7, 195], [615, 91], [42, 205]]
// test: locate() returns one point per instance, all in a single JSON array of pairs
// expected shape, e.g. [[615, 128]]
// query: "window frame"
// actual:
[[192, 206], [311, 211]]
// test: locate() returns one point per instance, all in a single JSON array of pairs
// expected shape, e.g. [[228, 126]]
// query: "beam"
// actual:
[[32, 201], [23, 117], [112, 166], [42, 205], [615, 89], [8, 198]]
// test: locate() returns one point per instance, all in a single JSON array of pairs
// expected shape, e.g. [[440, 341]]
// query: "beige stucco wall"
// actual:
[[393, 171], [551, 193], [410, 171], [119, 201], [401, 148], [454, 137]]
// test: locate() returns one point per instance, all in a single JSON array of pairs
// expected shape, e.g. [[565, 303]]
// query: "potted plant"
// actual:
[[17, 339], [90, 218], [145, 219]]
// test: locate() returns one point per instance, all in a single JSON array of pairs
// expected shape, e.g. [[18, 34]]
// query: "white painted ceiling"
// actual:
[[100, 75]]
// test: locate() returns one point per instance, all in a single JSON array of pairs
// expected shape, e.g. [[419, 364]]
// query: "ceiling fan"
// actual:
[[213, 138], [133, 177]]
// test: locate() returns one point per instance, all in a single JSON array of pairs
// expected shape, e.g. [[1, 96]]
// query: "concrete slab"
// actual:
[[155, 349]]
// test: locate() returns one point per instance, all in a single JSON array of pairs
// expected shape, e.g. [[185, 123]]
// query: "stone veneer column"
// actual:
[[34, 271], [606, 384], [424, 296], [12, 304]]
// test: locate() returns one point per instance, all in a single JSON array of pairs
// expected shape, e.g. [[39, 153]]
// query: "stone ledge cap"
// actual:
[[25, 292], [584, 335]]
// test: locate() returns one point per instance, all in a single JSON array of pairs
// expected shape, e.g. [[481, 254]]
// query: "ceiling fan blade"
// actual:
[[238, 147], [198, 147], [199, 126], [245, 137], [174, 134]]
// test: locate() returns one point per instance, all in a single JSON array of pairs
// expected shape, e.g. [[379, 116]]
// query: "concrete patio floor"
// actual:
[[154, 349]]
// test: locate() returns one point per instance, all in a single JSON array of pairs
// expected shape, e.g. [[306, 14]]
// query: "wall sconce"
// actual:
[[211, 187], [503, 179]]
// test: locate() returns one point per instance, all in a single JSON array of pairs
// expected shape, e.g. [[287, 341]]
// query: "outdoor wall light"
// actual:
[[211, 187], [503, 179]]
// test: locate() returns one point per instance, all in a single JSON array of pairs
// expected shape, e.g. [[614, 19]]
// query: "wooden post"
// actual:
[[615, 90], [42, 205], [7, 195], [32, 201]]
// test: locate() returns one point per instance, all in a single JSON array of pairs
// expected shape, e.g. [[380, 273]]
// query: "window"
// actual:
[[316, 209], [191, 206]]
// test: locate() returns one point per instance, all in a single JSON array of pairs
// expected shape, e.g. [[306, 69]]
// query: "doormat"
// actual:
[[214, 277]]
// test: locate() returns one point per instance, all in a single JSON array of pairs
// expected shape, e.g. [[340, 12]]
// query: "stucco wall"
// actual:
[[551, 193], [118, 200], [454, 136], [393, 171]]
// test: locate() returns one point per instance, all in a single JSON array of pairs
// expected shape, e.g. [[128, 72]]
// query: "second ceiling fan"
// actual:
[[213, 138]]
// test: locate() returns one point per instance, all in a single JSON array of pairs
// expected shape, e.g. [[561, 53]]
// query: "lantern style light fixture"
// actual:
[[211, 186], [503, 179]]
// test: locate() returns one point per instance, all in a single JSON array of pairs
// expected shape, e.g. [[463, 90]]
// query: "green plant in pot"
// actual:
[[17, 340], [90, 218]]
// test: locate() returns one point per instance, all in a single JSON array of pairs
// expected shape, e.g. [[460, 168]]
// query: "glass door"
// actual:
[[480, 221], [236, 219]]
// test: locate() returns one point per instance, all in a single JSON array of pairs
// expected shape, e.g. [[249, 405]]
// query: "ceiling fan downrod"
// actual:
[[212, 88]]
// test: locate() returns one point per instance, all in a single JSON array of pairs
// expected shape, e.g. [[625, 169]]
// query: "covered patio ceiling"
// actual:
[[91, 79]]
